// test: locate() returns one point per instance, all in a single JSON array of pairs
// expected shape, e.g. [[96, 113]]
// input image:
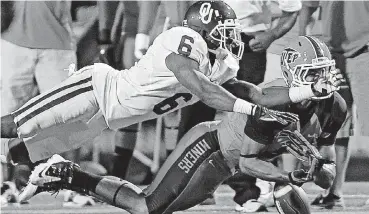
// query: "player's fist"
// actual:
[[325, 175], [142, 42], [299, 177]]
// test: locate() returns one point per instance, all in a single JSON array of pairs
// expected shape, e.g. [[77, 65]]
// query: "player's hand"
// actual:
[[299, 177], [328, 84], [142, 42], [268, 115], [265, 123], [262, 41]]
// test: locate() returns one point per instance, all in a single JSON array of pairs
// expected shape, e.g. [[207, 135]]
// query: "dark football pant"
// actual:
[[190, 175]]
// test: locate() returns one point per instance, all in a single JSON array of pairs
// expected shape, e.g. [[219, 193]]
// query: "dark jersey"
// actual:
[[320, 121]]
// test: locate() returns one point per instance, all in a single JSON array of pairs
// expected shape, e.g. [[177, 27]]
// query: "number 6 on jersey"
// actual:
[[185, 47]]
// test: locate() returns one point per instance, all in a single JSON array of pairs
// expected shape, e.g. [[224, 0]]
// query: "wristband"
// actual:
[[242, 106], [298, 94]]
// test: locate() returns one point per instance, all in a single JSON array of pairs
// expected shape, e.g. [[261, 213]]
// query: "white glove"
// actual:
[[226, 60], [141, 44], [329, 84]]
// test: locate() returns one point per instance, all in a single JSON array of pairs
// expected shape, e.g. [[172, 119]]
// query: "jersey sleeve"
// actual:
[[338, 112], [186, 42], [290, 5]]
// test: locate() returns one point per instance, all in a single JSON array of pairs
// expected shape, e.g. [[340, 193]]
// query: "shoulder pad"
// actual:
[[186, 42]]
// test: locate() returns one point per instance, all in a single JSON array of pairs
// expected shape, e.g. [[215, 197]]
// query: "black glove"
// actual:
[[265, 123], [299, 177], [263, 114]]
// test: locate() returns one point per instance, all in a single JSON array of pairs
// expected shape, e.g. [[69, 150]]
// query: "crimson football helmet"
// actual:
[[217, 23], [304, 60]]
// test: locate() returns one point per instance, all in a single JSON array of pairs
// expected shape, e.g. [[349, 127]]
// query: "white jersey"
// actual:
[[149, 89]]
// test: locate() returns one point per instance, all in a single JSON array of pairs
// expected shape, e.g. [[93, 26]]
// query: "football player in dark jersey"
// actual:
[[212, 151]]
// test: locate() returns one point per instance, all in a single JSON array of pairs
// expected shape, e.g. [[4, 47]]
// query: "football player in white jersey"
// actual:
[[174, 72], [212, 151]]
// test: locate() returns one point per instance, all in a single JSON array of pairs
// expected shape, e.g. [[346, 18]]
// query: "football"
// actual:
[[291, 199]]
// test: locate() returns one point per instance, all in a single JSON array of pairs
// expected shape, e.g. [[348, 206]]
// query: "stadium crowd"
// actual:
[[41, 39]]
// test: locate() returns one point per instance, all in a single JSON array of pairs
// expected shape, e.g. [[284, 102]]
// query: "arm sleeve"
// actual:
[[290, 5]]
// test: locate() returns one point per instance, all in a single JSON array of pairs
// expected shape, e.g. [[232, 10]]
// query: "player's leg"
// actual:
[[333, 197], [62, 108], [71, 100], [342, 153], [190, 117], [197, 155], [125, 138], [58, 173], [189, 175], [357, 72], [17, 87], [125, 143], [17, 83], [212, 172]]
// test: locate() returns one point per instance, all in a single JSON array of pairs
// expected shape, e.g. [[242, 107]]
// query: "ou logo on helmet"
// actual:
[[206, 13]]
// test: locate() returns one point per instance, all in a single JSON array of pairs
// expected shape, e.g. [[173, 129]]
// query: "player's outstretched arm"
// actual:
[[251, 164], [263, 170], [187, 72], [267, 97], [268, 172]]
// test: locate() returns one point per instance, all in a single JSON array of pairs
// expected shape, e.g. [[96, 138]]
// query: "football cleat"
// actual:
[[32, 189], [45, 173], [52, 176]]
